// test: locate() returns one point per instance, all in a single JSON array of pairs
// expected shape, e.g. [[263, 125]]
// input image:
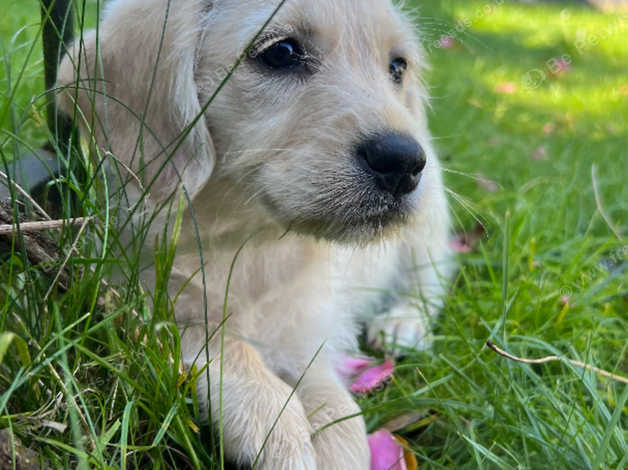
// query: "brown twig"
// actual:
[[39, 247], [24, 193], [547, 359], [8, 229]]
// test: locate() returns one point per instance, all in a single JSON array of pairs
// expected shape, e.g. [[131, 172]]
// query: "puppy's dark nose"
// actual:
[[395, 160]]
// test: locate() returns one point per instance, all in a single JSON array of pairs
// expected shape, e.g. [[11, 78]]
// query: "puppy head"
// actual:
[[326, 114], [322, 123]]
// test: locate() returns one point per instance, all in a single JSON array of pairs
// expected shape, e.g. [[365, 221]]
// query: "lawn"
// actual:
[[530, 115]]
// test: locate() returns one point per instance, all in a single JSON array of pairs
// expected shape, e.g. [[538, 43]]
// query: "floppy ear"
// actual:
[[133, 82]]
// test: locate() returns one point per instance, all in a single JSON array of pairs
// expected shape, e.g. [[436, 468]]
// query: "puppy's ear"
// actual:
[[133, 83]]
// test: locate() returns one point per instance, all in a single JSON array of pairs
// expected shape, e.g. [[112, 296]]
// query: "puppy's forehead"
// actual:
[[344, 19], [372, 25]]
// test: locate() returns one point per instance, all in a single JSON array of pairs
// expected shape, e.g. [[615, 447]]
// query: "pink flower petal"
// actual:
[[386, 452], [466, 242], [373, 377], [563, 65], [487, 184], [507, 88], [540, 154], [446, 42], [353, 366], [549, 128], [460, 246]]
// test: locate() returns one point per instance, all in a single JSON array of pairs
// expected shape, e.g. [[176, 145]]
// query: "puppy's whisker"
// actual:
[[444, 137], [472, 176], [466, 205]]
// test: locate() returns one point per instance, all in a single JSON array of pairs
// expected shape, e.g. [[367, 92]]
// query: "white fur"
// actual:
[[271, 162]]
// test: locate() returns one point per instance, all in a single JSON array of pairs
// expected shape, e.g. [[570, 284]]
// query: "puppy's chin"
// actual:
[[351, 232], [369, 221]]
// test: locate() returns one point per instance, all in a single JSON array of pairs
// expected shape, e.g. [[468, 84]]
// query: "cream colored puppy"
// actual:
[[317, 147]]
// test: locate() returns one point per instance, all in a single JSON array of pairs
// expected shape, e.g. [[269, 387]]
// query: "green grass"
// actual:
[[109, 370]]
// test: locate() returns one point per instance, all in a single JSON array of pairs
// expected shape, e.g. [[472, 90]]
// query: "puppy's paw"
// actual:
[[344, 444], [250, 437], [278, 455], [288, 446], [404, 328]]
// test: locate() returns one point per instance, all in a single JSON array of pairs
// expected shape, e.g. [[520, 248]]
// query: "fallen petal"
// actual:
[[562, 66], [446, 42], [460, 245], [466, 242], [540, 154], [507, 88], [373, 377], [549, 128], [386, 452], [487, 184], [350, 367]]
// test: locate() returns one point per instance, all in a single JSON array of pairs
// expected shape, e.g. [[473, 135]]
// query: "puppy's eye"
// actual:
[[286, 54], [397, 69]]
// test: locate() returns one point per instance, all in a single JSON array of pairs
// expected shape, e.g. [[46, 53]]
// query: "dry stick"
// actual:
[[26, 195], [547, 359], [43, 225], [598, 202], [39, 247]]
